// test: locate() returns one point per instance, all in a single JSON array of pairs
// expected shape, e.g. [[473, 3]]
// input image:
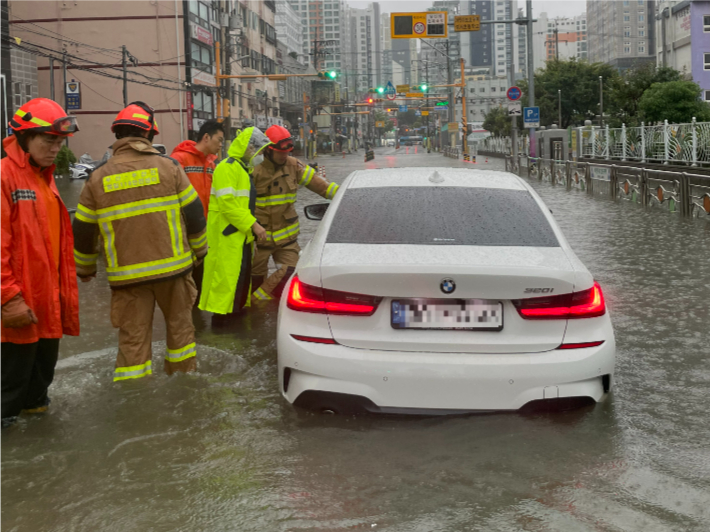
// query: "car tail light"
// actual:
[[307, 298], [317, 339], [584, 304], [581, 345]]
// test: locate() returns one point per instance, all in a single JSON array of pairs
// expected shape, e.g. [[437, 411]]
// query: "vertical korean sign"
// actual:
[[188, 106]]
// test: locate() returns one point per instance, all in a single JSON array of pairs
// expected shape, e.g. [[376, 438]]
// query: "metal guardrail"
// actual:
[[450, 152], [686, 193]]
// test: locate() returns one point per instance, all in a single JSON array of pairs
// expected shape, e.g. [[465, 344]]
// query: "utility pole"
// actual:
[[51, 78], [531, 74], [559, 108], [64, 69], [125, 77], [557, 43], [464, 118], [428, 134], [601, 101]]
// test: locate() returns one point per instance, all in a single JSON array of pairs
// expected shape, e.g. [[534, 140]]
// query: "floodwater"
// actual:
[[220, 450]]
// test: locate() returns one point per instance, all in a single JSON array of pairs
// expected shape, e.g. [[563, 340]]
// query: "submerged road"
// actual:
[[220, 450]]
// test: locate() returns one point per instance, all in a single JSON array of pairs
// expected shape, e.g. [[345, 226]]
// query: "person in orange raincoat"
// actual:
[[40, 299], [197, 159]]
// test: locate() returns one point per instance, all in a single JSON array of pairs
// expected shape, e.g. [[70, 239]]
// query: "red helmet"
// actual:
[[44, 116], [137, 114], [281, 138]]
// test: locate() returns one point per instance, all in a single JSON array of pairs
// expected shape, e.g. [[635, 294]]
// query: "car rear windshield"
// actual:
[[440, 216]]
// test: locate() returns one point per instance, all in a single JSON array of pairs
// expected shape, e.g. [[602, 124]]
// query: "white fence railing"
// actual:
[[664, 143]]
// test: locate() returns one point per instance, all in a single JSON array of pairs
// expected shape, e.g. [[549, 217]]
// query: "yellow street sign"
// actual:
[[467, 23], [424, 25], [402, 88], [380, 123], [414, 95], [425, 113], [453, 126]]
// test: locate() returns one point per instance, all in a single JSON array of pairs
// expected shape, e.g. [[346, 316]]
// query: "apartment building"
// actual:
[[170, 53], [683, 39], [366, 42], [621, 32]]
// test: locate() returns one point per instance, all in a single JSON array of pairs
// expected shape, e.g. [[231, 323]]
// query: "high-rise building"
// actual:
[[683, 39], [495, 46], [561, 37], [621, 32], [366, 42], [288, 30]]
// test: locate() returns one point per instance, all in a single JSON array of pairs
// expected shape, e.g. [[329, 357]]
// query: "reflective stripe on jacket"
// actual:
[[198, 167], [28, 266], [276, 190], [148, 214]]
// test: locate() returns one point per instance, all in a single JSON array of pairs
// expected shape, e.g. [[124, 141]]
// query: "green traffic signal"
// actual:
[[333, 74], [380, 89], [424, 87]]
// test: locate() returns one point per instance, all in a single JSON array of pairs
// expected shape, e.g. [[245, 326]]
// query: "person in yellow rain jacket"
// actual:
[[153, 229], [231, 228], [277, 180]]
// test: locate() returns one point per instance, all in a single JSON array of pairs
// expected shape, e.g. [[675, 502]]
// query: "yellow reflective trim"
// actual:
[[279, 199], [284, 233], [86, 215], [146, 269], [109, 237], [135, 208], [134, 179], [307, 176], [196, 243], [34, 119], [84, 259], [178, 355], [138, 115], [187, 196], [173, 232], [261, 295], [132, 372], [331, 190]]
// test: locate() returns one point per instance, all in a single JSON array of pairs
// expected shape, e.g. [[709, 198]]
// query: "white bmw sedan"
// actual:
[[440, 290]]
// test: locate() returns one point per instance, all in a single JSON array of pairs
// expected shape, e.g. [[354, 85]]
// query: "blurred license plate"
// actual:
[[466, 314]]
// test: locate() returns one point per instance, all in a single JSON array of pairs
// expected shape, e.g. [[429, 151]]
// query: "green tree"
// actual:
[[578, 82], [64, 158], [497, 122], [627, 90], [675, 101], [381, 116]]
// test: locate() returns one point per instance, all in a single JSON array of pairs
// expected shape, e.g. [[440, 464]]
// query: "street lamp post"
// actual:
[[559, 108]]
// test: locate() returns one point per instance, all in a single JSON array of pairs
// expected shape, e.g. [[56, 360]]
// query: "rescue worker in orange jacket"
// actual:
[[197, 159], [40, 300], [277, 180], [153, 230]]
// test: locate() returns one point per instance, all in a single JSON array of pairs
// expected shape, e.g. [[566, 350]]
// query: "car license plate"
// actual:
[[464, 314]]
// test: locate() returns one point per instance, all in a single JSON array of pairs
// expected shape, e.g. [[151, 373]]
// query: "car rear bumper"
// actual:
[[394, 380]]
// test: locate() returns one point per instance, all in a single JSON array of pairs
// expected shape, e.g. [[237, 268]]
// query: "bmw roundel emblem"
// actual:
[[448, 286]]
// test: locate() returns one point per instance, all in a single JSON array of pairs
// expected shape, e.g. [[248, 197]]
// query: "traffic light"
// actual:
[[371, 101], [421, 88], [328, 75], [227, 107], [380, 90]]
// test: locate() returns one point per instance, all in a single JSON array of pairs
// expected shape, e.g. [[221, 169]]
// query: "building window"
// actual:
[[640, 18], [202, 103], [642, 49], [627, 47], [201, 56], [200, 13], [642, 33], [707, 96], [626, 17], [706, 23], [627, 31], [707, 61]]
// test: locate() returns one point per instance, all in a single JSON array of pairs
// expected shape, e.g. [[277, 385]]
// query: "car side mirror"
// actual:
[[316, 212]]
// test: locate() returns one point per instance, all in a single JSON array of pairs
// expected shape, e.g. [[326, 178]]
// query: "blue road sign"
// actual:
[[402, 108], [417, 113], [514, 93], [531, 116]]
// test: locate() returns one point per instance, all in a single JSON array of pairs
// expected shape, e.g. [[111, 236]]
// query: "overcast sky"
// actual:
[[563, 8]]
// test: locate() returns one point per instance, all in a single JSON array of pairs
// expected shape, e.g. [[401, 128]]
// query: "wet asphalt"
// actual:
[[220, 450]]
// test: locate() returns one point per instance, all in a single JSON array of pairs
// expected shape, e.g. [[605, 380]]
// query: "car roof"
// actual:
[[432, 176]]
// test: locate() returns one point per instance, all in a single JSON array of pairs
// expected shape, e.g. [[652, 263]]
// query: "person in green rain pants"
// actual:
[[231, 229]]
